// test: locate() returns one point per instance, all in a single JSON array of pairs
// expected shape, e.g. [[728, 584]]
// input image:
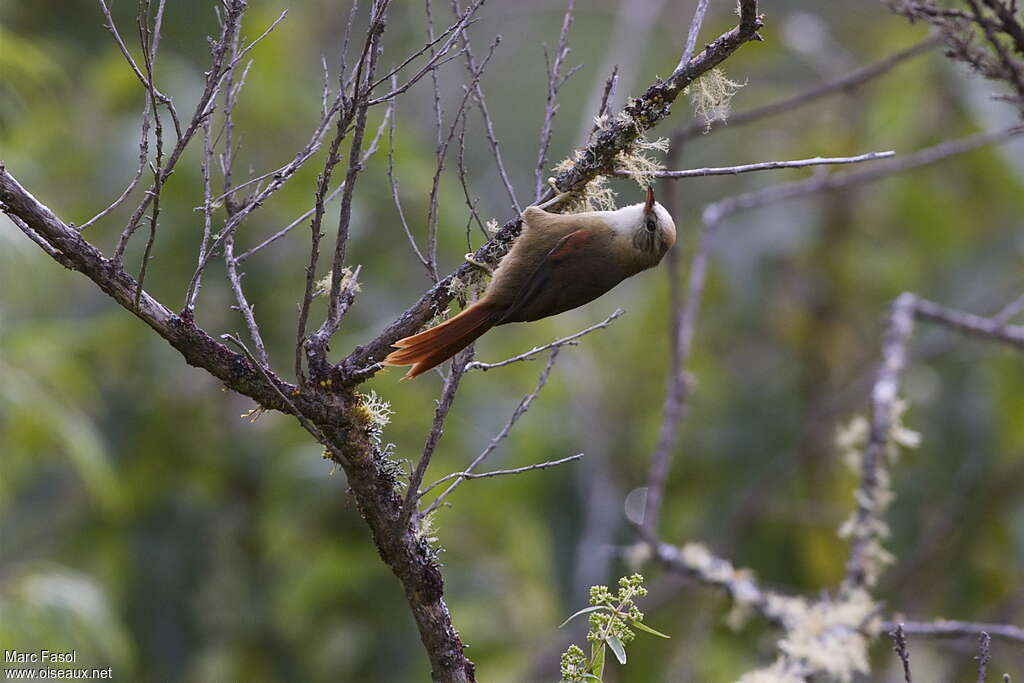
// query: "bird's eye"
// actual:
[[650, 225]]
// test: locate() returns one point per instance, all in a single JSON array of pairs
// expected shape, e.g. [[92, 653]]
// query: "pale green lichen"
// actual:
[[828, 639], [597, 195], [323, 285], [375, 413], [711, 96], [851, 440], [469, 289]]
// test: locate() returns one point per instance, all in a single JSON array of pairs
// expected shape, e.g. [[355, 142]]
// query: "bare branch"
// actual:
[[393, 182], [606, 97], [444, 405], [498, 473], [1010, 311], [133, 183], [984, 651], [236, 218], [149, 49], [460, 26], [235, 278], [370, 151], [523, 406], [335, 311], [992, 328], [762, 166], [946, 628], [777, 193], [555, 81], [306, 424], [112, 28], [864, 530], [564, 341], [40, 241], [207, 161], [691, 37], [219, 68], [433, 214], [900, 648], [453, 32], [481, 101], [845, 84]]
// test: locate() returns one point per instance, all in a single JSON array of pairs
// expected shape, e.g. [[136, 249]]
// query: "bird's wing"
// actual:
[[556, 282]]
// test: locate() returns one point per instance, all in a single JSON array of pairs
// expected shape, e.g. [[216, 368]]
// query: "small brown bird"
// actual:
[[559, 262]]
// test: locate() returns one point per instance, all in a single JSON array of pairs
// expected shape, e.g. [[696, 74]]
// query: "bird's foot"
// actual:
[[479, 264], [559, 197]]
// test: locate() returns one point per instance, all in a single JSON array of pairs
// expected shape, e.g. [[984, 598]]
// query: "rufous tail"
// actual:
[[432, 347]]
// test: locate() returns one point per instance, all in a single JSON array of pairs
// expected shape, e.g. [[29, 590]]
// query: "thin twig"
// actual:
[[865, 530], [900, 648], [564, 341], [762, 166], [555, 81], [481, 102], [459, 26], [133, 183], [498, 473], [606, 98], [435, 55], [969, 323], [112, 28], [433, 213], [984, 656], [444, 405], [523, 406], [946, 628], [691, 37], [843, 179], [370, 151], [235, 278], [306, 424], [207, 160], [1010, 311], [844, 84], [214, 78], [149, 54], [474, 215], [335, 307], [256, 201], [393, 183]]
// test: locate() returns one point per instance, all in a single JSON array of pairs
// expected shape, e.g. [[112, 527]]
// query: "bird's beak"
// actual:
[[649, 205]]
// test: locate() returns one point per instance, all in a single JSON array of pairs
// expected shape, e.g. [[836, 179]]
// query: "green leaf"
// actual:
[[597, 660], [582, 611], [617, 647], [644, 627]]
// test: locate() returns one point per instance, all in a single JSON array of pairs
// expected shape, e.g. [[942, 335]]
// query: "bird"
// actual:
[[559, 262]]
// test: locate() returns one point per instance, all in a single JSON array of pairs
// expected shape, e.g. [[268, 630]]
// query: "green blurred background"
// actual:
[[145, 524]]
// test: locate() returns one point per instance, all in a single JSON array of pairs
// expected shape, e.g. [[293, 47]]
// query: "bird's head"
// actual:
[[652, 227]]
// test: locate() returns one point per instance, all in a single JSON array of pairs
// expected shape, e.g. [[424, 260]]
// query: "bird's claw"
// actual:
[[479, 264]]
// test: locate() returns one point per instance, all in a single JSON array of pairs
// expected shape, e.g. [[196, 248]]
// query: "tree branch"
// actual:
[[762, 166]]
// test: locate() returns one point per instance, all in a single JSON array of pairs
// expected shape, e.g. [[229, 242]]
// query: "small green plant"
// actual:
[[612, 620]]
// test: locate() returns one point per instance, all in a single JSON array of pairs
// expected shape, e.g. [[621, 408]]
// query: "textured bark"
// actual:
[[332, 412]]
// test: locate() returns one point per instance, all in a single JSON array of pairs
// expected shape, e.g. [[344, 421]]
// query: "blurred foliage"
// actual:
[[145, 524]]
